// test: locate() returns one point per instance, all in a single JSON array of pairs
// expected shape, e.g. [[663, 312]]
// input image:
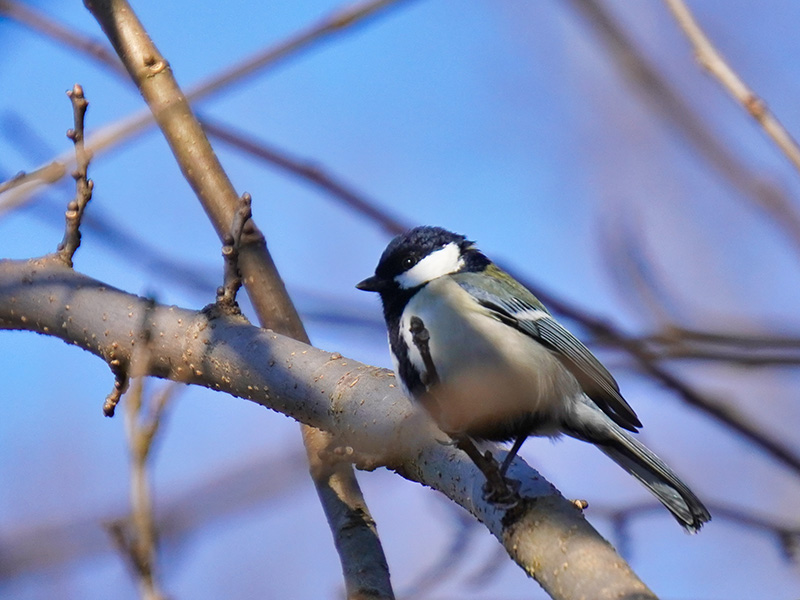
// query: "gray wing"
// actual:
[[516, 306]]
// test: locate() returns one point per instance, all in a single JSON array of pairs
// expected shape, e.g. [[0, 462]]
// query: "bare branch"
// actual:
[[50, 28], [226, 294], [121, 382], [83, 185], [542, 533], [136, 537], [713, 62], [786, 537]]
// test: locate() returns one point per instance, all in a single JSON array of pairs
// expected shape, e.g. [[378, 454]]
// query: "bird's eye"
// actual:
[[409, 261]]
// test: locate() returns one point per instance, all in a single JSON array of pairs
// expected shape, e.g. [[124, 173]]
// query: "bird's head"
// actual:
[[421, 255]]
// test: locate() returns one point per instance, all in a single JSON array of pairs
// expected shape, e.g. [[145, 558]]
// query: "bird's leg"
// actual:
[[498, 489], [512, 453]]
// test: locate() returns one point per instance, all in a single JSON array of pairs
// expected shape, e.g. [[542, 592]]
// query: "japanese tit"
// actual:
[[487, 360]]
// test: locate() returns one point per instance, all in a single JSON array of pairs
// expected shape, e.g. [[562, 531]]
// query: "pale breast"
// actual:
[[487, 370]]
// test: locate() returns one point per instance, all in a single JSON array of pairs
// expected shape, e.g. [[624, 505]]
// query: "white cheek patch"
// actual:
[[441, 262]]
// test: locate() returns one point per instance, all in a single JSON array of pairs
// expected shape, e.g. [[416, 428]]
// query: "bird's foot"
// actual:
[[498, 489], [503, 493]]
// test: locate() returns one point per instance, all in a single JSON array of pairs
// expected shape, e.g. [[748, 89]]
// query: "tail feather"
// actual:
[[638, 460], [645, 466]]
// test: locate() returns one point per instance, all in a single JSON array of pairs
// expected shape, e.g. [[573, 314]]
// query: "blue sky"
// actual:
[[509, 122]]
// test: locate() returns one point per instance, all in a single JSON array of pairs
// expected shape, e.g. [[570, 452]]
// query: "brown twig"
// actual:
[[52, 29], [137, 537], [747, 350], [226, 293], [12, 181], [121, 382], [714, 63], [83, 185]]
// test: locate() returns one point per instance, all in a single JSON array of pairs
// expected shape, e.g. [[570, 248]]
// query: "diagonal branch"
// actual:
[[711, 59]]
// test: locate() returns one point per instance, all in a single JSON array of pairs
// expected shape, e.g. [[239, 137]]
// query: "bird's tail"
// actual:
[[644, 465]]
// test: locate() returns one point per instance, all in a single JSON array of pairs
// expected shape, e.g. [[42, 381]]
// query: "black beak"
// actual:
[[371, 284]]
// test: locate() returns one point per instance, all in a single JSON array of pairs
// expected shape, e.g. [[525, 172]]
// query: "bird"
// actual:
[[488, 361]]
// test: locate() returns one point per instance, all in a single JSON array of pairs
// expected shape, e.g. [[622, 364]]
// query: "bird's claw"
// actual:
[[503, 493]]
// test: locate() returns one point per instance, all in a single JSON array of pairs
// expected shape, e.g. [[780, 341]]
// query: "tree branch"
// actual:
[[363, 561], [713, 62], [83, 185], [545, 534]]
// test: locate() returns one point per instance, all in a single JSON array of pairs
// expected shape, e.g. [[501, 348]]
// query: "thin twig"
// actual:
[[121, 382], [226, 293], [50, 28], [713, 62], [12, 181], [137, 537], [119, 240], [83, 185]]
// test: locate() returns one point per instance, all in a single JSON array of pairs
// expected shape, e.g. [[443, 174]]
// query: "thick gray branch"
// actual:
[[545, 534]]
